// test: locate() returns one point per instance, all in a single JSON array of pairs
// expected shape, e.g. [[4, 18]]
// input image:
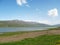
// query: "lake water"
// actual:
[[14, 29]]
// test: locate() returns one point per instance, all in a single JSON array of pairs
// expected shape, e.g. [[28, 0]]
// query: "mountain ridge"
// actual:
[[21, 23]]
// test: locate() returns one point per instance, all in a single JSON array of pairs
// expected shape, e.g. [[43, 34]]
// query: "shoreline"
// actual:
[[22, 36]]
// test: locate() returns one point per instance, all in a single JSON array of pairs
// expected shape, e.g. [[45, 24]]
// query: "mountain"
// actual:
[[57, 25], [20, 23]]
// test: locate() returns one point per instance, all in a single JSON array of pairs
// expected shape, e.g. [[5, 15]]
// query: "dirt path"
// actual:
[[27, 35]]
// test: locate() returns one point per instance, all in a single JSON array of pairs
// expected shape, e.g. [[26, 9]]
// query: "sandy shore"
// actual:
[[20, 37]]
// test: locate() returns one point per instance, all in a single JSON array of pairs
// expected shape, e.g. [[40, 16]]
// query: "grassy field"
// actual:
[[40, 40], [11, 33], [48, 37]]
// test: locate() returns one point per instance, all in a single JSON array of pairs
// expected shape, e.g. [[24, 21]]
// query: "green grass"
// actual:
[[11, 33], [41, 40]]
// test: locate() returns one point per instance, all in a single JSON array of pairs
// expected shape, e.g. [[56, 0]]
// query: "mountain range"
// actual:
[[20, 23]]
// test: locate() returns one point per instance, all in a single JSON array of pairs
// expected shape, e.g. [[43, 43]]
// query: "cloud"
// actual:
[[22, 2], [53, 12], [27, 5]]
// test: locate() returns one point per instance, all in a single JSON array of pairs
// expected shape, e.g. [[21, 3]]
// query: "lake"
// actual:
[[14, 29]]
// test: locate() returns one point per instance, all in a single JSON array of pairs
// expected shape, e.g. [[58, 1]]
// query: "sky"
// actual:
[[42, 11]]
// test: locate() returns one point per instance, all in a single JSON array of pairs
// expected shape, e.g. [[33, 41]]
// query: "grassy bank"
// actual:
[[45, 37], [10, 33], [41, 40], [18, 32]]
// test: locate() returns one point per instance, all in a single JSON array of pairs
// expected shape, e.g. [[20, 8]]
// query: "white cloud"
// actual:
[[27, 5], [24, 1], [53, 12], [21, 2]]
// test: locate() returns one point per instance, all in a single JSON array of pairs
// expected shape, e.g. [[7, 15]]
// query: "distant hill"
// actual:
[[57, 25], [19, 23]]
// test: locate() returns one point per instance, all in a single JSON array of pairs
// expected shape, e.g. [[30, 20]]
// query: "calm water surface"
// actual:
[[14, 29]]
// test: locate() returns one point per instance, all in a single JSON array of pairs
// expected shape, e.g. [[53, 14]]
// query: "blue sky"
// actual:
[[43, 11]]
